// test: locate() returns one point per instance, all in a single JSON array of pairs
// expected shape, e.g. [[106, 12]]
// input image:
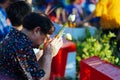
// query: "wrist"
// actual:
[[47, 56]]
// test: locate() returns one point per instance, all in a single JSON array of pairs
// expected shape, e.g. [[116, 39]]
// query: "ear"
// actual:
[[36, 30]]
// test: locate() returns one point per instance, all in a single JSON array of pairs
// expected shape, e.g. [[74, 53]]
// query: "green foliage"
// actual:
[[97, 45]]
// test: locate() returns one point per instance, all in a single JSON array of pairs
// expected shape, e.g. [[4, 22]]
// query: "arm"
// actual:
[[101, 9], [49, 52], [92, 15], [48, 9]]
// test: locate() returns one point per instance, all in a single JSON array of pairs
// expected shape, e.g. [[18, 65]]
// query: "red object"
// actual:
[[59, 62], [52, 17], [96, 69]]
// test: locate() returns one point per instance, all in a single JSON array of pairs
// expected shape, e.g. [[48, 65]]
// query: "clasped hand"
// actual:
[[52, 46]]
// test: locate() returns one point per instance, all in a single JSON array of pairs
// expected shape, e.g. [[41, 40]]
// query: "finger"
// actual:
[[54, 41], [59, 42]]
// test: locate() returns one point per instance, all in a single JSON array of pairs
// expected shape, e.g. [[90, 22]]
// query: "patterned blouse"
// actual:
[[17, 59]]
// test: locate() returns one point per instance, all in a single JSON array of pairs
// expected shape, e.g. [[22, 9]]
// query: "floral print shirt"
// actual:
[[17, 58]]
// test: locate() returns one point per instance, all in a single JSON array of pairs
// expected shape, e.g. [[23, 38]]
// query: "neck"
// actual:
[[27, 33], [29, 1], [18, 27]]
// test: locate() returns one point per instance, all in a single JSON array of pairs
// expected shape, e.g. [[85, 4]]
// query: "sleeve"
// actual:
[[29, 64], [101, 8]]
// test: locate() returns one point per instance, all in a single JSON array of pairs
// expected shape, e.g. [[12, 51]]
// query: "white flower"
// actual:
[[68, 36], [71, 17]]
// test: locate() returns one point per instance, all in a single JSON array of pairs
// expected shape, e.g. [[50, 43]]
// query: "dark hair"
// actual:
[[2, 1], [41, 20], [40, 2], [16, 12]]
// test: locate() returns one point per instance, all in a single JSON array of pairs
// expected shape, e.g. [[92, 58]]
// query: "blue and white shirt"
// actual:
[[5, 24]]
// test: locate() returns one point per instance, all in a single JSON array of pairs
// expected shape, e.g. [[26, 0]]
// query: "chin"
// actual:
[[36, 46]]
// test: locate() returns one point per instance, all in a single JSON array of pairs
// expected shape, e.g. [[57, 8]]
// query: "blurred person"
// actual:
[[60, 13], [4, 21], [39, 5], [49, 6], [53, 8], [75, 8], [43, 5], [16, 12], [17, 58], [88, 7], [108, 11]]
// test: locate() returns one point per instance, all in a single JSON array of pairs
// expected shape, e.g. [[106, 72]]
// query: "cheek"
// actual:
[[41, 40]]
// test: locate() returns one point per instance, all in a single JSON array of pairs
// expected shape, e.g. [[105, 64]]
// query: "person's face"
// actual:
[[38, 37]]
